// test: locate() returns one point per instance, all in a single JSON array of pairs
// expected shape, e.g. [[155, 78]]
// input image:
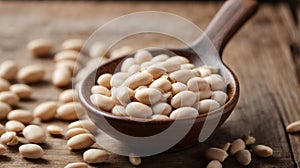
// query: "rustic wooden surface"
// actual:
[[259, 54]]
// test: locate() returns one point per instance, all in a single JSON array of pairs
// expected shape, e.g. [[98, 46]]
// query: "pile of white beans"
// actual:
[[159, 87]]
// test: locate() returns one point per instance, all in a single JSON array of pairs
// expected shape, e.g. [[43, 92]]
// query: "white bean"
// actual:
[[134, 69], [183, 99], [66, 55], [182, 76], [75, 131], [61, 77], [216, 82], [86, 124], [45, 111], [34, 134], [161, 108], [159, 117], [81, 141], [119, 110], [161, 84], [148, 96], [206, 105], [31, 151], [24, 116], [184, 113], [97, 89], [156, 71], [142, 56], [220, 97], [8, 69], [77, 165], [197, 84], [103, 102], [31, 73], [125, 50], [22, 90], [4, 85], [2, 129], [104, 80], [205, 94], [55, 130], [9, 138], [126, 64], [160, 58], [138, 110], [95, 156], [178, 87], [134, 159], [40, 47], [118, 79], [69, 95], [3, 149], [14, 126], [70, 111], [138, 79], [98, 49]]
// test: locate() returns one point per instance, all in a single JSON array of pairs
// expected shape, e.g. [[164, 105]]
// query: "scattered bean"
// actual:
[[226, 146], [81, 141], [86, 124], [262, 150], [76, 165], [293, 127], [31, 151], [134, 159], [95, 156], [214, 164], [2, 129], [34, 134], [40, 47], [243, 157], [4, 85], [31, 74], [98, 49], [69, 95], [45, 111], [14, 126], [8, 70], [70, 111], [3, 149], [75, 131], [55, 130], [24, 116], [66, 55], [9, 98]]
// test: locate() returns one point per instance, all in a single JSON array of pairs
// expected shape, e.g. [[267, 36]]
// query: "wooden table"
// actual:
[[259, 54]]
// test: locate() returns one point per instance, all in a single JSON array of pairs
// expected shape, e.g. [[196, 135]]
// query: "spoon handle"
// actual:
[[232, 15]]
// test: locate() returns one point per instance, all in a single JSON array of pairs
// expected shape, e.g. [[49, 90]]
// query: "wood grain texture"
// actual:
[[259, 54]]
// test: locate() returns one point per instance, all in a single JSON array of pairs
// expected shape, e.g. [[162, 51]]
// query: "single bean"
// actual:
[[95, 156], [146, 65], [61, 77], [69, 95], [9, 98], [9, 138], [216, 154], [204, 72], [262, 150], [138, 110], [214, 164], [75, 131], [4, 85], [237, 146], [70, 65], [31, 73], [77, 165], [170, 66], [161, 84], [159, 117], [55, 130], [249, 140], [8, 70], [178, 87], [119, 110], [45, 111], [40, 47], [104, 80], [206, 105], [161, 108], [243, 157], [4, 110], [226, 146], [179, 59], [71, 55], [134, 159], [72, 44], [14, 126], [81, 141], [97, 89], [22, 90], [142, 56], [148, 96], [31, 151], [293, 127], [205, 94], [118, 79], [103, 102], [138, 79], [34, 134], [197, 84], [183, 99], [70, 111], [216, 82], [187, 66], [156, 71], [24, 116], [160, 58], [220, 96], [184, 113], [134, 69]]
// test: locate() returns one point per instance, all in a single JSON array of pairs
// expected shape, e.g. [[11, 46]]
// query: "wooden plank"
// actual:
[[259, 55]]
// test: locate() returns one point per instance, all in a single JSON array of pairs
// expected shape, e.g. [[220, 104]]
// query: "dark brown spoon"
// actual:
[[232, 15]]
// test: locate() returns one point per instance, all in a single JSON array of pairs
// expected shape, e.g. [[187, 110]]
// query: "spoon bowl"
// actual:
[[229, 19]]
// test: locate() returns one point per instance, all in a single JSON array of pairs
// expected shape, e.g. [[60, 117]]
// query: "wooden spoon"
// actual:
[[232, 15]]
